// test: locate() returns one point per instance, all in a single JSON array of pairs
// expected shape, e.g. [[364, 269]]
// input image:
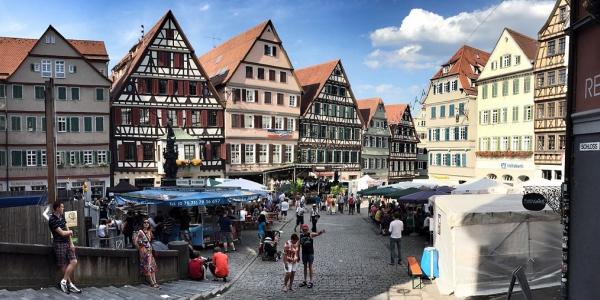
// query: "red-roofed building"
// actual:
[[450, 110], [79, 70], [330, 124], [256, 79], [161, 80], [403, 143], [375, 151]]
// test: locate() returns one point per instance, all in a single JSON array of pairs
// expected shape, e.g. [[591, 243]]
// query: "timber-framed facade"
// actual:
[[403, 143], [330, 124], [550, 73], [159, 81]]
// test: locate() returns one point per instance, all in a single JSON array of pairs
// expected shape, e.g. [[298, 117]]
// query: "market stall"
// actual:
[[481, 239], [482, 186]]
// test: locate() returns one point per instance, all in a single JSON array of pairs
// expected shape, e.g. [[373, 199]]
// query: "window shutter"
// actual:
[[243, 153], [285, 125], [80, 160], [94, 157], [186, 89], [180, 87], [135, 116], [256, 96], [220, 121], [256, 120], [140, 152], [242, 121], [226, 152], [270, 159], [256, 148], [23, 158], [204, 118], [208, 149], [170, 87], [153, 116], [466, 135], [39, 157], [33, 67], [274, 49], [272, 122], [154, 86], [180, 118], [117, 116], [121, 150], [164, 117], [244, 95], [188, 118]]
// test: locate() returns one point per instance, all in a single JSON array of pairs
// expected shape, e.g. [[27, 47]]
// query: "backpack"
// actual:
[[351, 200]]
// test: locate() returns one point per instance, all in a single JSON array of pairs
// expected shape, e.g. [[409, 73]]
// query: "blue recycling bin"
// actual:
[[429, 263], [197, 235]]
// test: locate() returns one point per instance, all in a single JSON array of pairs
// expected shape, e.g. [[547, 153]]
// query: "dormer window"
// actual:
[[50, 39], [270, 50], [446, 69]]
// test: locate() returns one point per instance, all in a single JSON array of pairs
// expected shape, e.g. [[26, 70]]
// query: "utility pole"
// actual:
[[50, 140]]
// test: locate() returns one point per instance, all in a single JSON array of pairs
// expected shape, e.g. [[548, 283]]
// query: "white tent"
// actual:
[[520, 188], [362, 183], [482, 186], [413, 184], [244, 184], [481, 239]]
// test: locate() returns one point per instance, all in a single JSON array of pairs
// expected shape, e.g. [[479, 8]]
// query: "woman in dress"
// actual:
[[143, 240]]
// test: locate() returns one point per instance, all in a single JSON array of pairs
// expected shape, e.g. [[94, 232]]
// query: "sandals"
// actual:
[[310, 285], [156, 286]]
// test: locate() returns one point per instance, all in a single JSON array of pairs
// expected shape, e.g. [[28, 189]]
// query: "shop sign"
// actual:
[[71, 218], [587, 75], [593, 146], [534, 201], [511, 166]]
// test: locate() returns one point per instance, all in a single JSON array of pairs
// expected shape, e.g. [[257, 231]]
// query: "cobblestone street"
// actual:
[[351, 262]]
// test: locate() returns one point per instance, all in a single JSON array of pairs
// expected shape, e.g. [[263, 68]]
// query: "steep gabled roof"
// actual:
[[461, 63], [395, 112], [368, 108], [527, 44], [312, 79], [13, 51], [221, 62]]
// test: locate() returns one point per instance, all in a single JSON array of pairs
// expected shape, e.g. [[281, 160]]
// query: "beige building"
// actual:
[[505, 110], [421, 129], [451, 116], [550, 94], [79, 70], [255, 77]]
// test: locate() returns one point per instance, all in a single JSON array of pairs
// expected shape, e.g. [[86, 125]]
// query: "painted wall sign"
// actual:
[[511, 166], [534, 201], [592, 146]]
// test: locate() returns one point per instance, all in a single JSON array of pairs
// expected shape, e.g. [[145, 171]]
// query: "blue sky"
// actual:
[[389, 48]]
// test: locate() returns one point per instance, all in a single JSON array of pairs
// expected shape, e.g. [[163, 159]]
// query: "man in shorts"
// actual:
[[226, 232], [285, 206], [63, 247], [308, 253], [291, 259], [299, 216]]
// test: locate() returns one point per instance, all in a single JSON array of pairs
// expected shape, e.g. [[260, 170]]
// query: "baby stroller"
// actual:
[[270, 246]]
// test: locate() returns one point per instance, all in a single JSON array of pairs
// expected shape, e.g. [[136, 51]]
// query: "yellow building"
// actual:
[[505, 110]]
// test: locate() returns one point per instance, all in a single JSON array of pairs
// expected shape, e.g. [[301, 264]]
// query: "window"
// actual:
[[46, 68], [486, 117], [279, 99], [31, 158], [433, 112], [126, 116], [236, 157], [17, 159], [72, 69], [505, 88], [504, 117], [276, 154], [562, 109], [292, 102], [43, 158], [130, 151], [189, 152], [463, 133], [517, 60], [267, 98], [552, 142], [551, 48], [74, 93], [454, 85], [266, 122], [61, 93], [62, 124], [88, 157], [250, 96], [278, 123], [494, 145], [40, 92], [101, 157], [551, 78], [261, 73], [144, 116], [527, 84], [484, 91], [289, 152], [561, 45], [562, 76], [515, 86], [249, 153], [249, 72], [451, 110], [505, 145], [271, 75], [495, 116], [99, 124], [516, 143], [539, 113], [74, 122], [249, 121], [87, 124], [539, 80], [540, 142], [515, 114], [551, 110], [2, 123], [17, 91], [290, 124], [443, 111], [270, 50], [31, 123], [505, 62], [528, 113], [100, 92], [446, 87], [43, 122], [164, 58], [59, 68], [494, 90], [15, 123], [282, 77], [561, 141], [263, 154], [526, 143]]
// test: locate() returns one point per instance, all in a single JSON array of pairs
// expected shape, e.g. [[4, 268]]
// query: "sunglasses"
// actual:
[[146, 222]]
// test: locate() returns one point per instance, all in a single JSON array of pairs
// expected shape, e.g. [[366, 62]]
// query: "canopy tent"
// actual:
[[414, 184], [365, 182], [243, 184], [15, 199], [481, 239], [521, 188], [422, 196], [400, 193], [181, 198], [122, 187], [482, 186], [367, 191], [384, 191]]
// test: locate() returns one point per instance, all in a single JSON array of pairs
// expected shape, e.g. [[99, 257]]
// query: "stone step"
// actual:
[[119, 292], [140, 293], [101, 294]]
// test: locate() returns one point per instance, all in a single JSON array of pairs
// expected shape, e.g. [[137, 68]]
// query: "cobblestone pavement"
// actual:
[[351, 262]]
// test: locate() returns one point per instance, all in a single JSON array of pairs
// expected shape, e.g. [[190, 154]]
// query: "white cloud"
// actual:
[[205, 7], [390, 93], [425, 38]]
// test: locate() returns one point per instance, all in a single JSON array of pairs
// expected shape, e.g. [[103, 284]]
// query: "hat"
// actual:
[[304, 226], [314, 205]]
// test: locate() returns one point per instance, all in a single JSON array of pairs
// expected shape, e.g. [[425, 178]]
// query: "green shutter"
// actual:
[[99, 124], [39, 158], [87, 124], [43, 124], [108, 157], [94, 158], [24, 158]]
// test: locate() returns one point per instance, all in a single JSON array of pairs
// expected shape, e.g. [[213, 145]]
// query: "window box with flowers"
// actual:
[[499, 154]]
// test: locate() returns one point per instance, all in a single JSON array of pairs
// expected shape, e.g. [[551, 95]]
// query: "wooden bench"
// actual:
[[414, 270]]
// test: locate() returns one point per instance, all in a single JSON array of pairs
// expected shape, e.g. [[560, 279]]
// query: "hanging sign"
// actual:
[[534, 201]]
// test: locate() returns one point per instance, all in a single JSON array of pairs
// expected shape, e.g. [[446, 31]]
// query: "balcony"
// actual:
[[554, 123], [404, 156]]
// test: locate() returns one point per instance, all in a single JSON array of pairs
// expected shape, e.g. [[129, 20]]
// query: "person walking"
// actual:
[[341, 203], [262, 231], [308, 253], [357, 202], [299, 216], [226, 232], [64, 250], [396, 228], [285, 206], [351, 204], [329, 204], [143, 240], [291, 259], [314, 217]]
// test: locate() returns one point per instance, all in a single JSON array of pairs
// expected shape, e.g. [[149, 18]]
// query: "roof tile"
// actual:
[[395, 112], [368, 108], [312, 79], [461, 63]]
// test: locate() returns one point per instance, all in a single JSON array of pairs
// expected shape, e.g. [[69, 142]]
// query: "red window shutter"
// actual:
[[270, 159], [121, 150], [272, 122], [244, 95], [257, 148], [242, 121], [118, 120], [140, 85], [220, 120], [200, 88], [153, 116], [170, 87], [135, 116], [164, 117], [187, 88], [140, 152], [208, 154], [188, 118], [180, 87], [180, 118], [227, 155], [154, 86], [256, 125], [204, 118], [285, 124], [256, 96]]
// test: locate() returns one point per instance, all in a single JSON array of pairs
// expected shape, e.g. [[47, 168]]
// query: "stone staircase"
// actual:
[[182, 289]]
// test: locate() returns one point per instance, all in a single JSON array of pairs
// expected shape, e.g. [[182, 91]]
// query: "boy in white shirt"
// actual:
[[395, 230]]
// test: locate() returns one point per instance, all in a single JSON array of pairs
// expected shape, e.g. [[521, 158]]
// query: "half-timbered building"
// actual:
[[403, 143], [550, 93], [254, 75], [376, 137], [159, 81], [330, 124]]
